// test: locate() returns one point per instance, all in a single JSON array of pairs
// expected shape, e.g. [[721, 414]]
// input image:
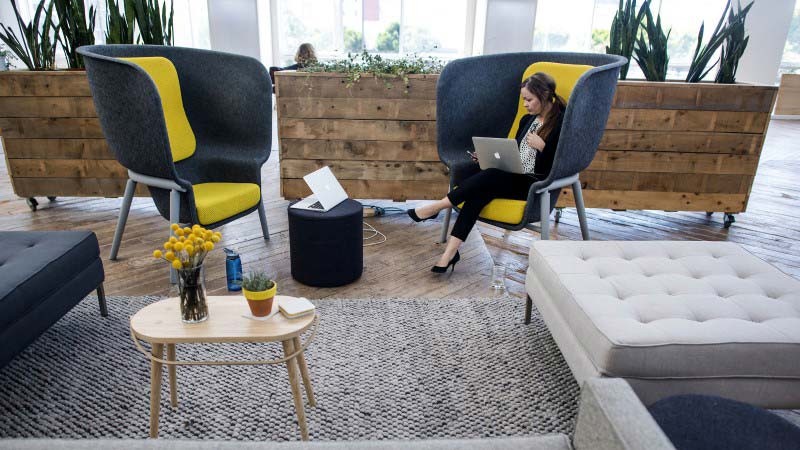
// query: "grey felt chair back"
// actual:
[[479, 96], [212, 84]]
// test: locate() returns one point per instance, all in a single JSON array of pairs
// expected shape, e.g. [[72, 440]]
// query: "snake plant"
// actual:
[[651, 48], [36, 45], [75, 29], [735, 44], [703, 54], [119, 26], [624, 29], [155, 26]]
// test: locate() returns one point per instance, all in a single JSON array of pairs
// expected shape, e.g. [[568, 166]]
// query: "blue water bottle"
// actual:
[[233, 270]]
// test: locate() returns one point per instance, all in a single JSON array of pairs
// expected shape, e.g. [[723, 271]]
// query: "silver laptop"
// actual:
[[327, 191], [498, 153]]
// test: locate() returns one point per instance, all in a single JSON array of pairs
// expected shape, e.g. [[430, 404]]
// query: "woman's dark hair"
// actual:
[[306, 55], [543, 86]]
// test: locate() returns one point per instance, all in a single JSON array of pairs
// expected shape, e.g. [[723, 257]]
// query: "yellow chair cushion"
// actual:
[[182, 142], [566, 76], [503, 210], [218, 201]]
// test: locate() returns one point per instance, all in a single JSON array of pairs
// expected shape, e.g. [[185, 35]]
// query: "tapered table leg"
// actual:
[[301, 362], [155, 389], [173, 382], [294, 382]]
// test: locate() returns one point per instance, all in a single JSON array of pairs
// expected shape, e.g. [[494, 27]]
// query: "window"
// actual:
[[388, 27], [790, 63], [583, 26]]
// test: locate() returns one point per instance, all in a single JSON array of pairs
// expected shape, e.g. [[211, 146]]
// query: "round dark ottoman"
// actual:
[[326, 248]]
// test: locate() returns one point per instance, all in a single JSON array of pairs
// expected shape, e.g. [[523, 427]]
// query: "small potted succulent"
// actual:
[[259, 290]]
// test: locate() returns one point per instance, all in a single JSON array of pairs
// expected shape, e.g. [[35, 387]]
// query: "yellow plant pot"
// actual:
[[260, 302]]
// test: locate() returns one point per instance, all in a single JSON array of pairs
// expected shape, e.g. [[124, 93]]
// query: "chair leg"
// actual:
[[544, 214], [446, 225], [101, 297], [528, 307], [174, 217], [262, 215], [576, 191], [130, 188]]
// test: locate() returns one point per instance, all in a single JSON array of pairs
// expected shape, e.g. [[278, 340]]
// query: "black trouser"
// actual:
[[480, 189]]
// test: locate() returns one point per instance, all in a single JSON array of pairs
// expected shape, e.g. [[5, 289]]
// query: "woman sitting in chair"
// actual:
[[537, 137]]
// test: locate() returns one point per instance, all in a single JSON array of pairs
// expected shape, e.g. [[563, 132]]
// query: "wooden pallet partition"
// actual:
[[52, 138], [679, 146], [379, 140]]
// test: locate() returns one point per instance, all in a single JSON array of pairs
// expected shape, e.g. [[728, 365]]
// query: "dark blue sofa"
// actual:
[[43, 274]]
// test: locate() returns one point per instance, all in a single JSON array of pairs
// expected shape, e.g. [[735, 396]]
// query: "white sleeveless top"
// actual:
[[526, 153]]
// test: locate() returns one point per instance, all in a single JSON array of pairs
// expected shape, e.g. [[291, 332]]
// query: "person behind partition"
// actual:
[[537, 137]]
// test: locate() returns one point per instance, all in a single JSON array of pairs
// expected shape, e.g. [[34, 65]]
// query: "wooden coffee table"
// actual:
[[160, 325]]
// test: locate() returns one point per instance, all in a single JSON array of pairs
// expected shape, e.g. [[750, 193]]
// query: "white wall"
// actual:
[[509, 26], [233, 26], [768, 26]]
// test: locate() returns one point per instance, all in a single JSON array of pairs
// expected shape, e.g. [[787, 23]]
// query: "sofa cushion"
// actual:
[[709, 423], [34, 264], [673, 309]]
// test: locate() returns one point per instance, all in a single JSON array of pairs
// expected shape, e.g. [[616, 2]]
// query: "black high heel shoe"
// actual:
[[440, 269], [416, 218]]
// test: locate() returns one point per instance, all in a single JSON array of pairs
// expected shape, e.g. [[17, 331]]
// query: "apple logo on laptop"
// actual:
[[496, 155]]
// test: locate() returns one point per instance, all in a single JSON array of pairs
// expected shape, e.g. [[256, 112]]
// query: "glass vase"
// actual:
[[192, 292]]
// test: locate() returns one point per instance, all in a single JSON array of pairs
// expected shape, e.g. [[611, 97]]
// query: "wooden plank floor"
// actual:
[[400, 267]]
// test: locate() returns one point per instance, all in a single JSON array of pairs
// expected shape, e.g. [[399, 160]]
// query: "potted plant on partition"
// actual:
[[259, 290], [48, 114], [679, 145], [185, 251]]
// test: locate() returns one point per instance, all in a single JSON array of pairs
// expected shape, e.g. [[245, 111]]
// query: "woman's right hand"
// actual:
[[473, 156]]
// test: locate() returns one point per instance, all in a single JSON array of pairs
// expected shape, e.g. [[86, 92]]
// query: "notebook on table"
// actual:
[[292, 307]]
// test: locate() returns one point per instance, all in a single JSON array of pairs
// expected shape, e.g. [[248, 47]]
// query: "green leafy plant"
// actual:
[[353, 40], [651, 53], [119, 25], [257, 282], [76, 30], [155, 25], [624, 29], [735, 44], [36, 45], [703, 53], [356, 65], [389, 39]]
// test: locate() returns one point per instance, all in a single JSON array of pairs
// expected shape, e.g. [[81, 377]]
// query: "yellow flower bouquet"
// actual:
[[185, 251]]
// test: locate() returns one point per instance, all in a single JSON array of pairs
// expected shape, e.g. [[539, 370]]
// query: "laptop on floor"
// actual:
[[498, 153], [327, 191]]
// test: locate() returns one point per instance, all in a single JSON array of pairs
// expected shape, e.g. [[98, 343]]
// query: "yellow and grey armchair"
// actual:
[[479, 96], [195, 126]]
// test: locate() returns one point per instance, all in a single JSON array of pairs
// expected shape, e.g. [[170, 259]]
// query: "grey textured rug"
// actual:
[[381, 369]]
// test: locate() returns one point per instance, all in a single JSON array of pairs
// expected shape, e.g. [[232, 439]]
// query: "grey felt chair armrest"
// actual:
[[611, 417]]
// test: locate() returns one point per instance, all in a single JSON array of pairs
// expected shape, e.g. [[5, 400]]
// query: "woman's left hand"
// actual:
[[534, 141]]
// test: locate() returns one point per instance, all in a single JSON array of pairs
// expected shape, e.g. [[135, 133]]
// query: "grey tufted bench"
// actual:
[[672, 317], [43, 274]]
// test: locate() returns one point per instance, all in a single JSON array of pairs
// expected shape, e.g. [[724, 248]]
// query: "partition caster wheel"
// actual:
[[728, 220], [52, 198], [558, 214], [32, 203], [709, 213]]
